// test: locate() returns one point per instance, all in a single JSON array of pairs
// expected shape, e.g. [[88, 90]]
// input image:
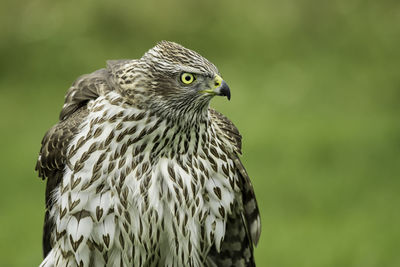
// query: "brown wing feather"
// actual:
[[251, 212], [236, 248], [52, 156], [242, 228]]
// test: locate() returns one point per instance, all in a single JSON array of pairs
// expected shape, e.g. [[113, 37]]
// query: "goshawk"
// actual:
[[142, 172]]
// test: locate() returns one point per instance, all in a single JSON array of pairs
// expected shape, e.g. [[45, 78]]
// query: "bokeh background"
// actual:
[[315, 94]]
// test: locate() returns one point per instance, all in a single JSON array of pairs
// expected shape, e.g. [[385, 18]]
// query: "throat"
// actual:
[[185, 136]]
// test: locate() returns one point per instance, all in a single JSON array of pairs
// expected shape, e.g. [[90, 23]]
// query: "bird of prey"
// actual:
[[142, 172]]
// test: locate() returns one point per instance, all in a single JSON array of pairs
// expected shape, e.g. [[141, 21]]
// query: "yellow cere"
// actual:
[[216, 83], [187, 78]]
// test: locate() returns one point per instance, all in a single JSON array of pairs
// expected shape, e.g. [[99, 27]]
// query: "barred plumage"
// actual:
[[141, 172]]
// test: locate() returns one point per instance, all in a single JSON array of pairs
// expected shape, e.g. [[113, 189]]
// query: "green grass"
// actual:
[[315, 93]]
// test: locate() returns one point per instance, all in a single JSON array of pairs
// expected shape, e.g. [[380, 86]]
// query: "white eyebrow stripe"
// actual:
[[192, 70]]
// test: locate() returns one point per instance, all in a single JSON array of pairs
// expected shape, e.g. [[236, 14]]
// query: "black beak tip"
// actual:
[[225, 91]]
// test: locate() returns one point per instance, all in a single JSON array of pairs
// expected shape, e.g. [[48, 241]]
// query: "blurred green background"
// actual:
[[315, 93]]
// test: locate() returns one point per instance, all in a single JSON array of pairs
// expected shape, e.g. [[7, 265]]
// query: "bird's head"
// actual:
[[178, 80]]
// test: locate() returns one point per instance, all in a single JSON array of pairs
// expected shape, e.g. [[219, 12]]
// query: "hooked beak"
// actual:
[[220, 87], [223, 90]]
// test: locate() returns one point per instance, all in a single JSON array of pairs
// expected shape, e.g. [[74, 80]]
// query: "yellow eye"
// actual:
[[187, 78]]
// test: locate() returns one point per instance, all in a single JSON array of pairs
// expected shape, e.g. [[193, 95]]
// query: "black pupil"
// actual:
[[187, 78]]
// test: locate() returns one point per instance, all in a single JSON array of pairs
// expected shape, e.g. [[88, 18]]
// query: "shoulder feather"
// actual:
[[87, 87], [228, 129], [56, 140]]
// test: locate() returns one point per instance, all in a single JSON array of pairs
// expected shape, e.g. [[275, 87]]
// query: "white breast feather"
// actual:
[[171, 200]]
